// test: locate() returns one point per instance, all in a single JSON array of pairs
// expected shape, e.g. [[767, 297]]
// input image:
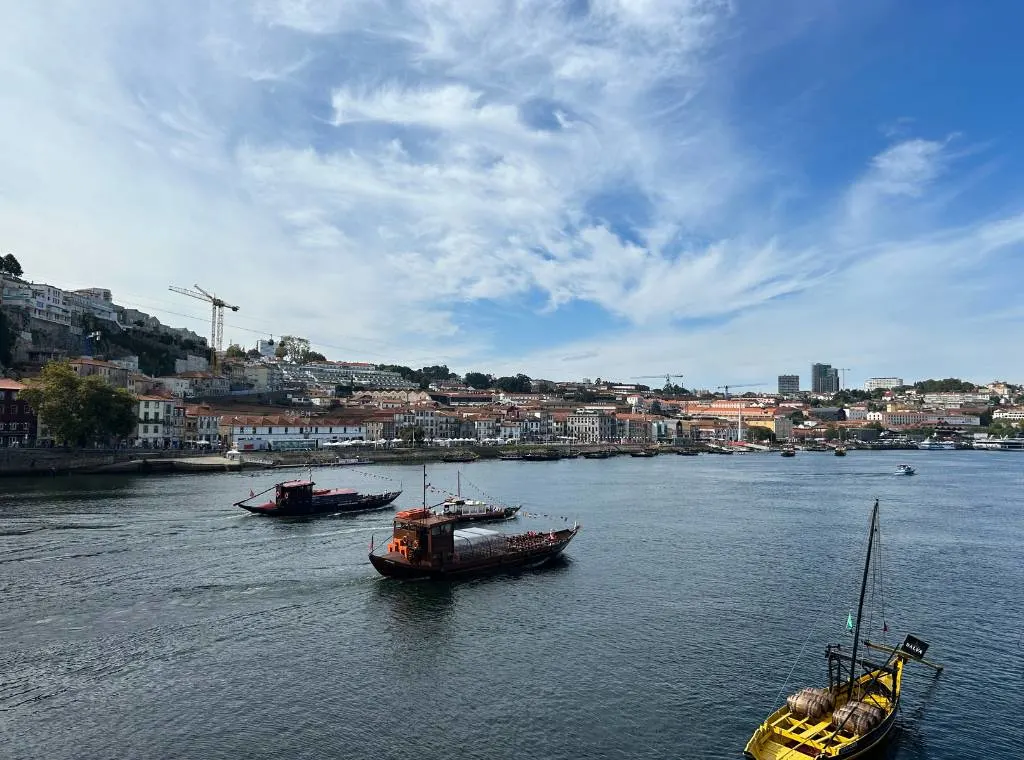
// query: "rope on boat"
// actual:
[[253, 496], [814, 628]]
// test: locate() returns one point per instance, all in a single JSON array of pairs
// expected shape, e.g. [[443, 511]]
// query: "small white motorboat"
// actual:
[[905, 469]]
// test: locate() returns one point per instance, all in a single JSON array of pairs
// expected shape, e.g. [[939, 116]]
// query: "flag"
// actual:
[[251, 494], [371, 542], [849, 622], [885, 627]]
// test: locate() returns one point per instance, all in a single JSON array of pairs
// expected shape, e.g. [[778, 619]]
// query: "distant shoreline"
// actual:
[[53, 462]]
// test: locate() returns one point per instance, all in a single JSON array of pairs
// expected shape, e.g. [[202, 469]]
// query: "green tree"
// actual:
[[797, 417], [80, 411], [831, 433], [518, 384], [478, 380], [413, 435], [758, 434], [6, 340], [10, 265], [234, 351], [949, 385]]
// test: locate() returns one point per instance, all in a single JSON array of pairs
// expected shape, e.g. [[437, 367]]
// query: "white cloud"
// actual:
[[368, 172]]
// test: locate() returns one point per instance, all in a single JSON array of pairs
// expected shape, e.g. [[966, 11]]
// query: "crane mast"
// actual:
[[217, 306]]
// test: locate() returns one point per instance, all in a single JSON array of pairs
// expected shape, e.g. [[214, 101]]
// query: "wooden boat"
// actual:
[[297, 498], [541, 455], [473, 510], [644, 453], [788, 451], [855, 713], [427, 546], [599, 454], [460, 456], [687, 452], [840, 451]]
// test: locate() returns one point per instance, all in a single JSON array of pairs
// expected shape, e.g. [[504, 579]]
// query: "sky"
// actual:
[[726, 190]]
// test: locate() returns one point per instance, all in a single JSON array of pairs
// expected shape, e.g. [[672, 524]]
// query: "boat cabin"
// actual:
[[422, 537], [295, 495]]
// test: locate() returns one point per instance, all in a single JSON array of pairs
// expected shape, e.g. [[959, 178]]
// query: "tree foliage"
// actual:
[[234, 351], [297, 350], [81, 411], [10, 265], [478, 380], [518, 384], [6, 340], [949, 385], [424, 376]]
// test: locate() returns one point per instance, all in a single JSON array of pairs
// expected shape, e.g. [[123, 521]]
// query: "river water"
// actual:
[[148, 618]]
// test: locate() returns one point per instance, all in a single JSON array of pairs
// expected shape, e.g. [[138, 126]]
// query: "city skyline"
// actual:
[[567, 190]]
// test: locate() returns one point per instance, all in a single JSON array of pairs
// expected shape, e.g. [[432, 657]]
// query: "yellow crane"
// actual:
[[216, 319]]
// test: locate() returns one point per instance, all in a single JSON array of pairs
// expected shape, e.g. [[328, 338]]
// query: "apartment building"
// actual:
[[590, 427], [17, 420]]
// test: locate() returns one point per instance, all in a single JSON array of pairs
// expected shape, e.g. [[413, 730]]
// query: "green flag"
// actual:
[[849, 622]]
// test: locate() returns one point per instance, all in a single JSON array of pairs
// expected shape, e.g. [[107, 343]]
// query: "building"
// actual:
[[17, 420], [191, 364], [267, 348], [590, 427], [159, 421], [117, 376], [43, 302], [789, 385], [202, 427], [353, 374], [824, 378], [95, 302], [883, 383], [264, 378], [283, 432]]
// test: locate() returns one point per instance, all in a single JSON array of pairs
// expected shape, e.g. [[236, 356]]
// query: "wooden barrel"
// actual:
[[858, 717], [810, 703]]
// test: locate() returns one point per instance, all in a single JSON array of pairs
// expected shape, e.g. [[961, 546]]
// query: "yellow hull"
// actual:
[[785, 735]]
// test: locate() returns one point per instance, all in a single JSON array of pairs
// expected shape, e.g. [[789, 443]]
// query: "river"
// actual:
[[148, 618]]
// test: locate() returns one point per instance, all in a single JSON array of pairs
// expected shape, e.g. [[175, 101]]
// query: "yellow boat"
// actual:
[[853, 715]]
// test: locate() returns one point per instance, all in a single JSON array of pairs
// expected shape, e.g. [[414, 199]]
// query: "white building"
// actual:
[[1013, 414], [95, 302], [157, 427], [267, 348], [883, 383], [43, 302], [590, 427], [279, 432]]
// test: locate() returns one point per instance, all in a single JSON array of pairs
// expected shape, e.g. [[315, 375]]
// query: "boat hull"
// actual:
[[392, 565], [328, 504]]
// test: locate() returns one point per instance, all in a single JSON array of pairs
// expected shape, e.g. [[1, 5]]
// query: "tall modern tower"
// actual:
[[824, 378]]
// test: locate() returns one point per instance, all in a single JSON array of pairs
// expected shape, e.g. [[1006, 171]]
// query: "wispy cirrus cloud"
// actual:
[[399, 163]]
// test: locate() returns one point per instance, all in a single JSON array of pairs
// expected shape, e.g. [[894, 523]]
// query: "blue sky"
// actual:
[[732, 190]]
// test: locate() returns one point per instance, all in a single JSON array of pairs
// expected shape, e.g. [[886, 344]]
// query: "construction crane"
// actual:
[[744, 385], [216, 319], [844, 370], [668, 377]]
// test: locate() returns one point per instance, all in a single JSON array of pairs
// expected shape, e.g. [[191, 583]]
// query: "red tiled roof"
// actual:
[[10, 385]]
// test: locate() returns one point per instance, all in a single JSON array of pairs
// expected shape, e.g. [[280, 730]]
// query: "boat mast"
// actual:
[[860, 602], [458, 483], [425, 488]]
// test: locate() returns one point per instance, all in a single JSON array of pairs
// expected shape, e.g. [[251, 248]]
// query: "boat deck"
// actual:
[[785, 735]]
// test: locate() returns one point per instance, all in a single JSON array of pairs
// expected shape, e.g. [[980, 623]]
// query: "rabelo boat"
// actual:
[[429, 546], [299, 498], [853, 716]]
